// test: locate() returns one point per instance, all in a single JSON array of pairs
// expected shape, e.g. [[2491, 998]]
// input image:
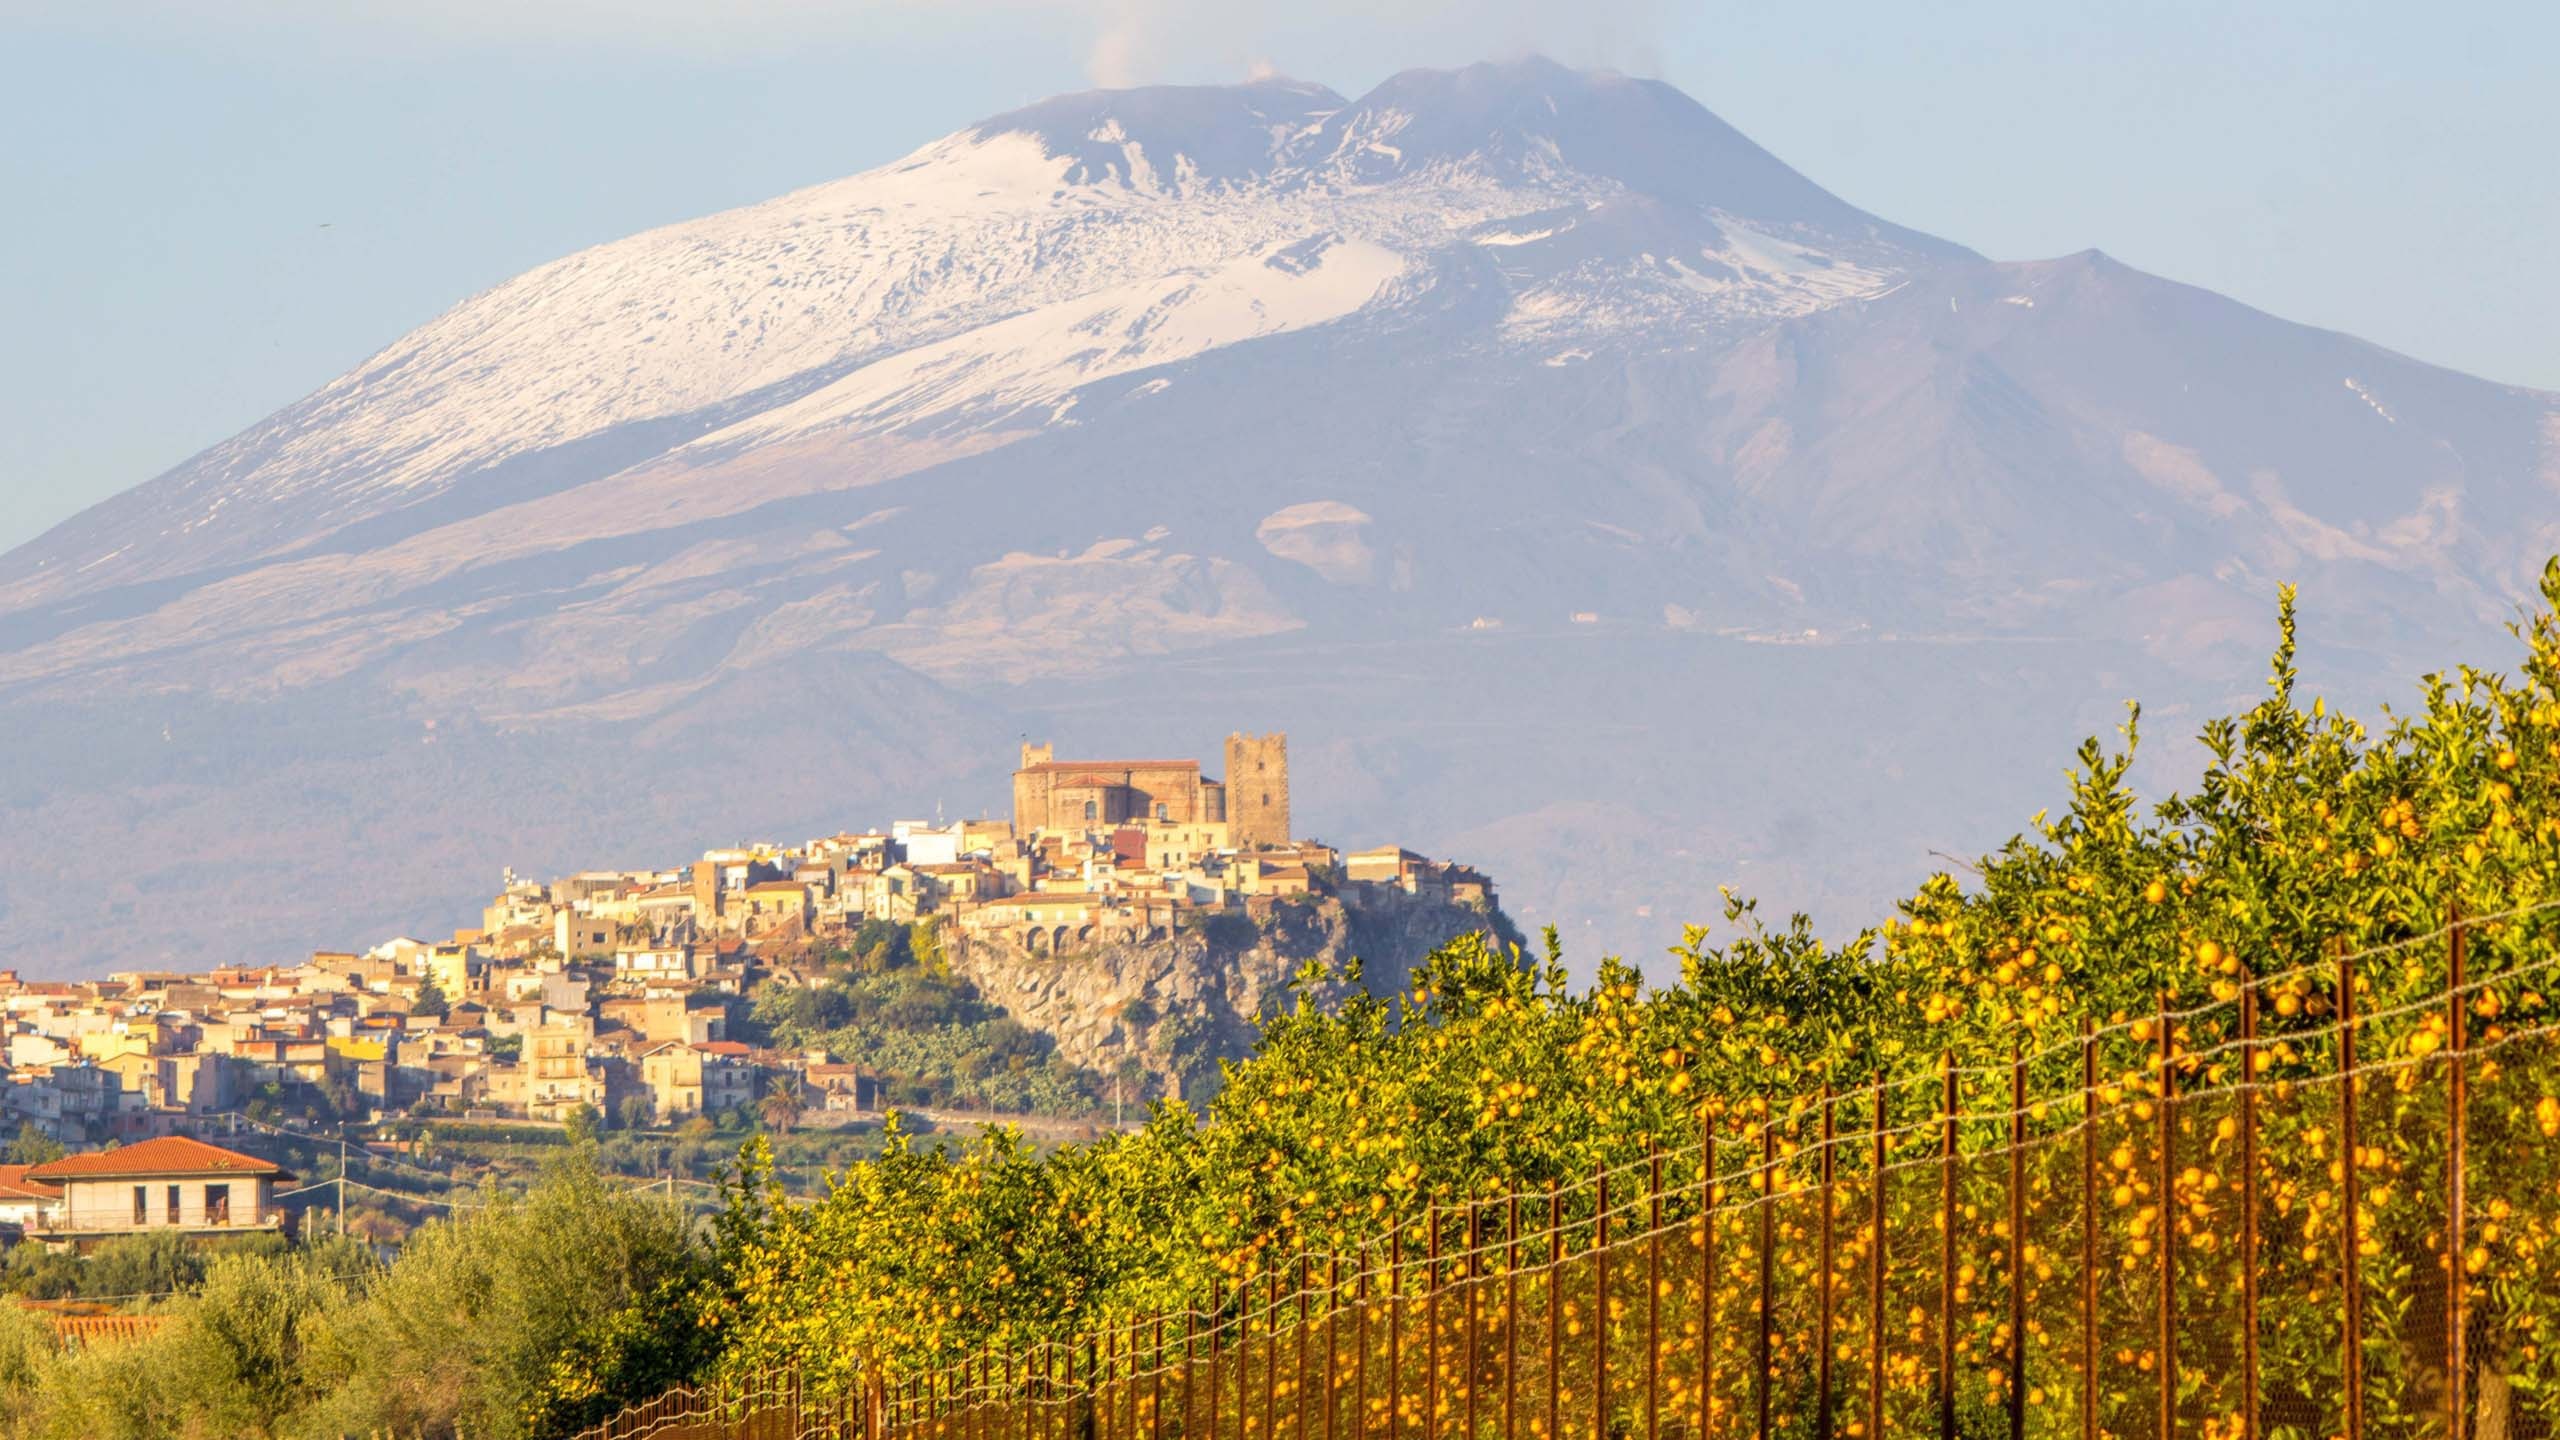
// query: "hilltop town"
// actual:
[[1131, 912]]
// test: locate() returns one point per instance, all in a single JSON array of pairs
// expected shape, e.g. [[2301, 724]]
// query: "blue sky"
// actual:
[[206, 218]]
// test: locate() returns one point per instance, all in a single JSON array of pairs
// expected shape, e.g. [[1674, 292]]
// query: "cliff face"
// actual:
[[1175, 1007]]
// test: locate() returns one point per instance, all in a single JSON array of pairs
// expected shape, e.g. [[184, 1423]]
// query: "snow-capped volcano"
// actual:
[[1507, 422], [973, 286]]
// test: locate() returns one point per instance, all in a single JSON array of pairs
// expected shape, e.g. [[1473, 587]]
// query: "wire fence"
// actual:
[[2323, 1204]]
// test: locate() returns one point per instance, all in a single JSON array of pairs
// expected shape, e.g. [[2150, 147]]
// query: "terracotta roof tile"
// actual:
[[14, 1185], [166, 1155]]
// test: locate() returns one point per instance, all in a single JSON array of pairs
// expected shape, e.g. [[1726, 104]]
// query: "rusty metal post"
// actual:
[[1332, 1342], [1946, 1378], [2088, 1231], [1600, 1311], [1510, 1317], [1217, 1325], [2017, 1243], [2350, 1151], [1105, 1409], [1875, 1274], [1653, 1298], [1760, 1366], [1468, 1270], [1555, 1309], [2249, 1207], [1706, 1276], [2457, 1277], [1270, 1352], [2166, 1116], [1823, 1272], [1360, 1346], [1395, 1332], [1431, 1320], [1155, 1381], [1298, 1396]]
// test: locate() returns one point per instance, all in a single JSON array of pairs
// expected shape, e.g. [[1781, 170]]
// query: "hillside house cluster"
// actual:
[[611, 990]]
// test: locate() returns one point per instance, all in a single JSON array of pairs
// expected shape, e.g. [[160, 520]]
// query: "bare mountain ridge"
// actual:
[[1546, 456]]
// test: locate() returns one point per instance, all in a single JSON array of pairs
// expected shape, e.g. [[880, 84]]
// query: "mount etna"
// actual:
[[1589, 495]]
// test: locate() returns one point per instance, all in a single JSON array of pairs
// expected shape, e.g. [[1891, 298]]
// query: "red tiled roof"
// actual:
[[167, 1155], [14, 1185]]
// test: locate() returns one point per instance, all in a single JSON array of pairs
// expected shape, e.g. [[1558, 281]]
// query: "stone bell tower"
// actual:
[[1258, 790]]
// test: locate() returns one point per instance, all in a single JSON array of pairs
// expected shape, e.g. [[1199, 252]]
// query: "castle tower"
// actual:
[[1031, 788], [1258, 790]]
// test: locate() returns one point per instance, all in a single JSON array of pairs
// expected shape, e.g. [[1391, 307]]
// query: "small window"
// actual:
[[1163, 811], [1090, 812], [217, 1204], [141, 1204], [173, 1205]]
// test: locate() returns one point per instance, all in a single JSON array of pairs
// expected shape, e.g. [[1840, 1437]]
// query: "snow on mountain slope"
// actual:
[[1120, 229]]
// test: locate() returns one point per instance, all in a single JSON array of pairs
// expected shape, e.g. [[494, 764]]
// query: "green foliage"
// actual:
[[524, 1317], [2305, 832], [33, 1146], [929, 1036], [253, 1346]]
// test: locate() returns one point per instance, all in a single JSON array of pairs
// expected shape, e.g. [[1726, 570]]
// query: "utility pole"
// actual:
[[342, 1178]]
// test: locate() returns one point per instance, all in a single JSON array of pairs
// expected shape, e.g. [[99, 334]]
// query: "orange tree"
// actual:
[[2307, 835]]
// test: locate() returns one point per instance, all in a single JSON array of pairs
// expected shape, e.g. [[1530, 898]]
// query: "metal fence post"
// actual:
[[2350, 1152], [1652, 1297], [2249, 1207], [1270, 1351], [1217, 1325], [1395, 1332], [1875, 1274], [1467, 1270], [1332, 1342], [1511, 1317], [1706, 1275], [2088, 1231], [1761, 1363], [1946, 1380], [1600, 1310], [2457, 1279], [1360, 1345], [1823, 1276], [2168, 1142], [1431, 1321], [1555, 1309], [1298, 1396], [2017, 1243]]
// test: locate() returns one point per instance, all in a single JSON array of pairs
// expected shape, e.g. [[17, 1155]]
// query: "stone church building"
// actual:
[[1084, 795]]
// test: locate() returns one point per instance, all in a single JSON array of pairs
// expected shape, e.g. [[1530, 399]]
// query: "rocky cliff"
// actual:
[[1174, 1007]]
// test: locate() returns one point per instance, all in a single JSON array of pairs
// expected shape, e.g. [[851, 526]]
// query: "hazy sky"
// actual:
[[201, 220]]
